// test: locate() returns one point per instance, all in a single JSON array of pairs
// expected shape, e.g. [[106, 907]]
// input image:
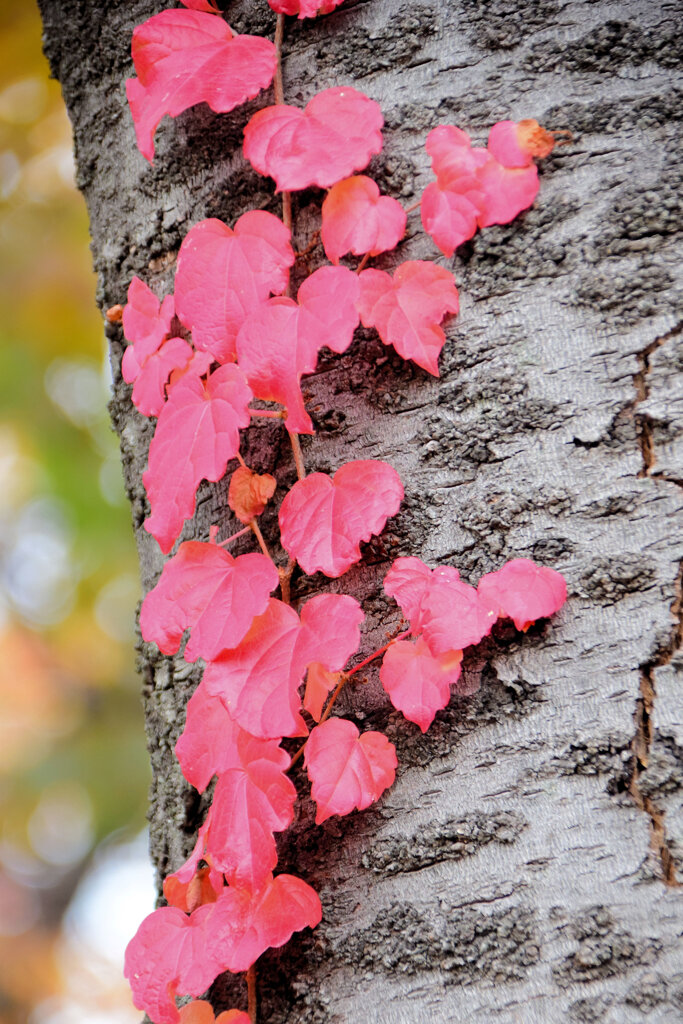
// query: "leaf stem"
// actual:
[[286, 581], [253, 525], [298, 455], [363, 263], [375, 654], [415, 206], [252, 1000], [278, 88], [229, 540]]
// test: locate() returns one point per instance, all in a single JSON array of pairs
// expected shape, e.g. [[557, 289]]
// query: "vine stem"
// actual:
[[298, 455], [345, 676], [252, 1002], [253, 525]]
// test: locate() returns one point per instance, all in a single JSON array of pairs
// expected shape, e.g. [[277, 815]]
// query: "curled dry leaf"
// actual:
[[249, 493]]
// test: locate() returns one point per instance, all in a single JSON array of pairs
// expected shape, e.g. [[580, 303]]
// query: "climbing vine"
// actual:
[[229, 346]]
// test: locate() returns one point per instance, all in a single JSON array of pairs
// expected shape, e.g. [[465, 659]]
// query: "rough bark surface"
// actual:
[[523, 867]]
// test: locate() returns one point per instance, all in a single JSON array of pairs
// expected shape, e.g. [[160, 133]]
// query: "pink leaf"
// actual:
[[172, 953], [187, 57], [506, 191], [274, 350], [304, 8], [146, 321], [280, 341], [407, 581], [450, 215], [328, 299], [516, 143], [207, 746], [246, 926], [335, 135], [347, 770], [407, 310], [418, 682], [323, 519], [451, 205], [204, 589], [523, 591], [196, 436], [453, 156], [223, 275], [259, 681], [201, 5], [357, 219], [449, 614], [150, 377], [252, 800]]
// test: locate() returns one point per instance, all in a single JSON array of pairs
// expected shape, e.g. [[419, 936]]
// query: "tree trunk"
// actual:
[[523, 866]]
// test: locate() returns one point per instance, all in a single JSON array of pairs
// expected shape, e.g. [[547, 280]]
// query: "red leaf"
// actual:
[[357, 219], [197, 434], [173, 953], [523, 591], [280, 341], [252, 800], [418, 682], [346, 770], [150, 376], [448, 613], [407, 310], [304, 8], [259, 680], [187, 57], [335, 135], [249, 493], [146, 321], [204, 589], [516, 143], [323, 519], [224, 275]]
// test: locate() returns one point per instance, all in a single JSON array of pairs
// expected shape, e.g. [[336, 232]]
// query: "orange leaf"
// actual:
[[249, 493]]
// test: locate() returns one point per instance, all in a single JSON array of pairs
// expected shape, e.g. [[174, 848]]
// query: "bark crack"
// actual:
[[644, 713], [644, 423]]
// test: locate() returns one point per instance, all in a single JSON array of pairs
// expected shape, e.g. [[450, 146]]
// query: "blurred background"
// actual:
[[74, 877]]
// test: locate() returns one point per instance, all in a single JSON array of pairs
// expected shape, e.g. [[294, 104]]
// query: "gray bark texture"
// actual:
[[523, 867]]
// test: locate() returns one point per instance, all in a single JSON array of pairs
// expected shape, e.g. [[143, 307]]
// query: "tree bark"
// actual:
[[523, 867]]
